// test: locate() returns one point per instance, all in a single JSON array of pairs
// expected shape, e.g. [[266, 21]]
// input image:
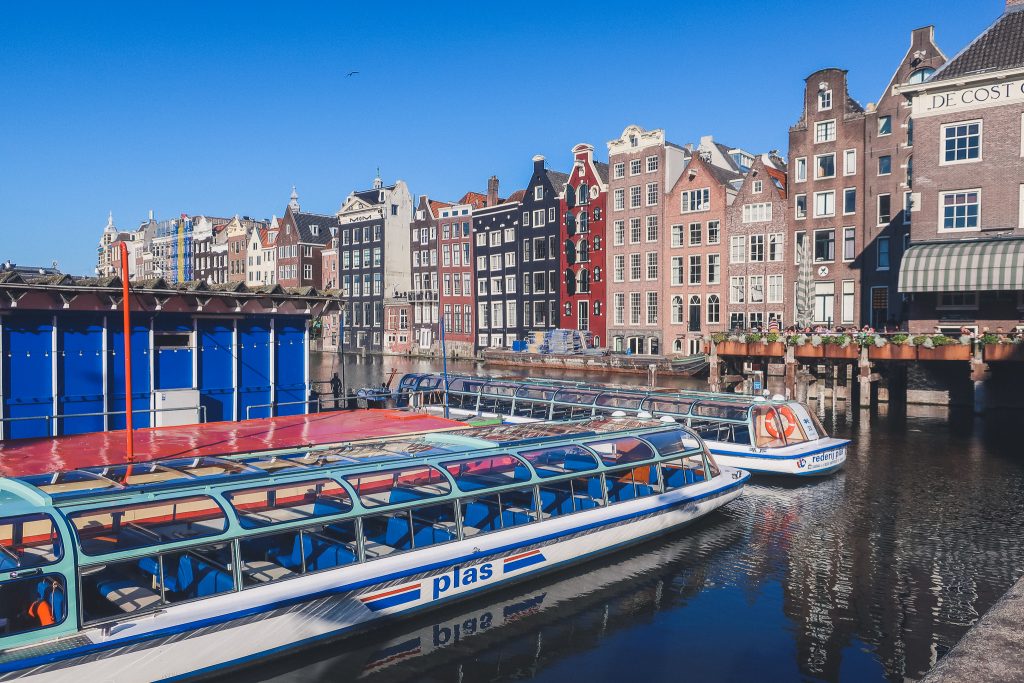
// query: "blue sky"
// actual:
[[219, 108]]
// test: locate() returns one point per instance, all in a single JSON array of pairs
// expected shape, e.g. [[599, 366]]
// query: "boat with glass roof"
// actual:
[[179, 567], [763, 435]]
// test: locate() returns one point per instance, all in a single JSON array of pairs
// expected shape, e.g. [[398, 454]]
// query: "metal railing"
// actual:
[[315, 401], [53, 420]]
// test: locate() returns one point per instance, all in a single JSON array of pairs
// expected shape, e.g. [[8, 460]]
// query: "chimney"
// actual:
[[492, 191], [538, 164]]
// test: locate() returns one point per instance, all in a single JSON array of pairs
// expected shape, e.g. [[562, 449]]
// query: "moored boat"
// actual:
[[759, 434], [176, 567]]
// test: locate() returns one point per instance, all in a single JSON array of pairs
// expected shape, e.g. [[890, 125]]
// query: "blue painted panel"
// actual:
[[80, 373], [28, 373], [141, 388], [253, 368], [216, 359], [173, 367], [290, 365]]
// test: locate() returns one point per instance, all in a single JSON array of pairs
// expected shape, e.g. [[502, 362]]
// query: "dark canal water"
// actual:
[[869, 575]]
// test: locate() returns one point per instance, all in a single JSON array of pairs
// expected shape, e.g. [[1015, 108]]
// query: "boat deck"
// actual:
[[37, 456]]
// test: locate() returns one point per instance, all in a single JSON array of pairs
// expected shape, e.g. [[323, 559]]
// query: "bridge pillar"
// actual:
[[864, 378], [980, 373], [714, 369]]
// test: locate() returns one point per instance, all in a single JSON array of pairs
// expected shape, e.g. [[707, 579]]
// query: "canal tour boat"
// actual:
[[758, 434], [178, 567]]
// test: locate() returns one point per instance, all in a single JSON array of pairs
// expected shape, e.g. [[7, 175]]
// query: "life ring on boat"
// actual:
[[788, 423]]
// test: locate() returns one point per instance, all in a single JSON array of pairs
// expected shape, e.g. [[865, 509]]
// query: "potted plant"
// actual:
[[996, 349], [899, 347], [729, 345], [774, 345], [941, 347], [840, 346], [810, 349]]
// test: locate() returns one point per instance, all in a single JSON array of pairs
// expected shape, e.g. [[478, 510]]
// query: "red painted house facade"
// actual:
[[583, 233]]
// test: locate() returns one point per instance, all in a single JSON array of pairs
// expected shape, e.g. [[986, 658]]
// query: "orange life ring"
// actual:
[[788, 423]]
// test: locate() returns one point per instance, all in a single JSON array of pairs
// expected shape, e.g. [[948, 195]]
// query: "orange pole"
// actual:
[[129, 435]]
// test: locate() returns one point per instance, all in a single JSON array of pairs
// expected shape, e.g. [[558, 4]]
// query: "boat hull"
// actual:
[[238, 628], [822, 461]]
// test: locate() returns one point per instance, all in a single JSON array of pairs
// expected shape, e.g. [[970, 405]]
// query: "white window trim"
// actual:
[[878, 202], [944, 230], [981, 142], [795, 164], [835, 131], [845, 212], [847, 170], [825, 177], [797, 216], [843, 244], [836, 245], [825, 215], [879, 172], [880, 134]]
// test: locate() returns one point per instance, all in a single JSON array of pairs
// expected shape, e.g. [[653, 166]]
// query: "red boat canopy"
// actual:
[[38, 456]]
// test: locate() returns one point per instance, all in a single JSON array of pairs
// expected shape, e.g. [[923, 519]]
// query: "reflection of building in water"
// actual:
[[514, 633]]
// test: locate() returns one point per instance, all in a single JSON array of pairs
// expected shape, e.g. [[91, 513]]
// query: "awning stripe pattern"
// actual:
[[964, 266]]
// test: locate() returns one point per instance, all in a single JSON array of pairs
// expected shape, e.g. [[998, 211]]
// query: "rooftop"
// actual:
[[998, 48]]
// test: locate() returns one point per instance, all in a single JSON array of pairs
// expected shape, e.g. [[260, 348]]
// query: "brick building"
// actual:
[[301, 237], [965, 264], [694, 250], [642, 164], [457, 300], [423, 297], [883, 211], [826, 147], [540, 234], [757, 225], [584, 271]]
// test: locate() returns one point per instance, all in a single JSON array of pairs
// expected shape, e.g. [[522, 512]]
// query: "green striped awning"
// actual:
[[964, 266]]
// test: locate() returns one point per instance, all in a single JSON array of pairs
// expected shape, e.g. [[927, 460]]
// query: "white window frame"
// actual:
[[981, 142], [800, 169], [825, 123], [942, 213], [849, 162], [847, 190], [824, 194], [818, 176]]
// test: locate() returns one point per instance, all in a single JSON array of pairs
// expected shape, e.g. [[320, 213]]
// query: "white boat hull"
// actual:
[[233, 629]]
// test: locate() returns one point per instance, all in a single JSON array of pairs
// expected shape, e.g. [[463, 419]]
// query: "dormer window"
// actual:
[[315, 229], [634, 141], [824, 100], [380, 196]]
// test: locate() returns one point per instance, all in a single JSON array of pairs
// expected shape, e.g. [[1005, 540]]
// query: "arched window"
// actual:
[[653, 346], [597, 308], [920, 75], [584, 251], [714, 309], [695, 313], [677, 346], [583, 194], [597, 274], [677, 310], [617, 344], [584, 222], [584, 281], [910, 176], [597, 243]]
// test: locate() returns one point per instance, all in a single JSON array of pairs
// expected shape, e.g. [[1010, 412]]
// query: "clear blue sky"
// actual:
[[218, 109]]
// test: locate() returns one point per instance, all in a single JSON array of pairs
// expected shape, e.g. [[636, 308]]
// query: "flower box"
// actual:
[[996, 352], [767, 349], [849, 352], [809, 351], [892, 352], [950, 352], [732, 348]]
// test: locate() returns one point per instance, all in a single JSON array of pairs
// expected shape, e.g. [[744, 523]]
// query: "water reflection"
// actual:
[[868, 575]]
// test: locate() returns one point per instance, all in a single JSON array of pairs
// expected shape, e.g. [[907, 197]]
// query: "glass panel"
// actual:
[[59, 484], [142, 474], [571, 495], [30, 604], [620, 401], [635, 482], [688, 470], [403, 485], [28, 541], [197, 572], [496, 470], [289, 502], [387, 534], [551, 462], [726, 411], [119, 588], [273, 557], [726, 432], [433, 524], [668, 406], [113, 529], [622, 450], [768, 430], [499, 511], [672, 442]]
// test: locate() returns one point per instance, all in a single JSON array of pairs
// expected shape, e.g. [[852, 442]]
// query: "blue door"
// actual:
[[253, 369], [216, 369], [290, 366], [141, 385], [28, 376], [80, 374]]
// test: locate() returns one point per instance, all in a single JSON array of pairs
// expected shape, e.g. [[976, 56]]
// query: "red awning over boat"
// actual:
[[38, 456]]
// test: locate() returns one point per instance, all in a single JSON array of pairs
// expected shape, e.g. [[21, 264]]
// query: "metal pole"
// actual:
[[444, 365], [126, 309], [341, 355]]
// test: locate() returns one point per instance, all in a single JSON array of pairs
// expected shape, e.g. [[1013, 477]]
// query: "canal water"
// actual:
[[868, 575]]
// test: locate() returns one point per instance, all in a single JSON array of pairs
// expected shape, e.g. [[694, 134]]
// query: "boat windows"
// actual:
[[125, 527], [403, 485], [481, 473], [139, 474], [668, 406], [571, 495], [721, 409], [286, 555], [622, 450], [208, 467], [634, 482], [408, 529], [28, 541], [199, 572], [551, 462], [32, 603], [289, 502], [770, 430], [683, 472], [725, 432], [620, 401], [59, 484], [671, 442], [498, 511]]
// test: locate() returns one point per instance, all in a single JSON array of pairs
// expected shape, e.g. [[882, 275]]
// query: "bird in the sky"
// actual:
[[351, 73]]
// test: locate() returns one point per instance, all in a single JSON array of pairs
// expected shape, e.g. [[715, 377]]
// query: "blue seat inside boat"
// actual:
[[404, 496], [675, 477], [481, 516], [192, 578], [578, 462], [319, 553], [429, 535]]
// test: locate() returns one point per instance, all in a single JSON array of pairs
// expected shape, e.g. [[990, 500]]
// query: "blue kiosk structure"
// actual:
[[200, 353]]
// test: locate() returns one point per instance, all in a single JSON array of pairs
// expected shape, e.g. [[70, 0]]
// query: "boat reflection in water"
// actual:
[[513, 633]]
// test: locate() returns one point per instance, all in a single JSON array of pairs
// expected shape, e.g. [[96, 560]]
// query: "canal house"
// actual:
[[199, 353]]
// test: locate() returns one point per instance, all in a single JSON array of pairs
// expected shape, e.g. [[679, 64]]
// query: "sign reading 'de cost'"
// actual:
[[966, 99]]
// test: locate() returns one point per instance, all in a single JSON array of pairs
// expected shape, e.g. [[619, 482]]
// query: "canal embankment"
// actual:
[[992, 651]]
